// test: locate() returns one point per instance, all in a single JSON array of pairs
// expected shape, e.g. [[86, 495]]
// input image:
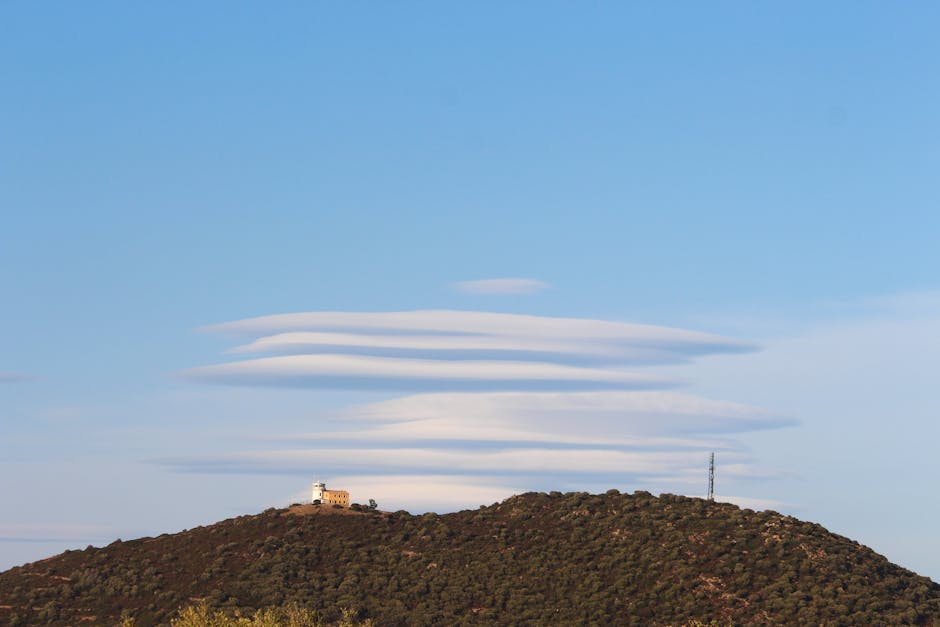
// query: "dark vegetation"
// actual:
[[559, 559]]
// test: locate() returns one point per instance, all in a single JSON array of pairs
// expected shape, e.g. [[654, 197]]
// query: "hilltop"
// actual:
[[563, 559]]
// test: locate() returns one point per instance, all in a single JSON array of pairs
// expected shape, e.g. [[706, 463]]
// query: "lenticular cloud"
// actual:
[[356, 371], [486, 324], [508, 399], [458, 350]]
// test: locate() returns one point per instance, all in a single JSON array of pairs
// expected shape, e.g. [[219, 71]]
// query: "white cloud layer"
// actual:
[[501, 286], [463, 346], [453, 432], [354, 371], [435, 460], [481, 323], [567, 415]]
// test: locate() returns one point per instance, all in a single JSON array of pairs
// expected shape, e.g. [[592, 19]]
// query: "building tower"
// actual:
[[317, 494]]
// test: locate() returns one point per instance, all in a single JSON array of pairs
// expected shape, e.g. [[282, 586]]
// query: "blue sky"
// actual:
[[761, 174]]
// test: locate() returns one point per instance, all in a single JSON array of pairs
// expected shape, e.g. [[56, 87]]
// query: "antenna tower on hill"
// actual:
[[711, 477]]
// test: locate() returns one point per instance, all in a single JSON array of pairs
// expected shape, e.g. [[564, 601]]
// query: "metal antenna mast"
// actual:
[[711, 477]]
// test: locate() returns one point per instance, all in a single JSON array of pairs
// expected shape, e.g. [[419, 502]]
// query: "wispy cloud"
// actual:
[[52, 532], [501, 286], [14, 377]]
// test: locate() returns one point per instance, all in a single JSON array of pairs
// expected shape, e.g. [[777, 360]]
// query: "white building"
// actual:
[[321, 495]]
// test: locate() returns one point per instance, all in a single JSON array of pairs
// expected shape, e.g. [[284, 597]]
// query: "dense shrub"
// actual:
[[561, 559]]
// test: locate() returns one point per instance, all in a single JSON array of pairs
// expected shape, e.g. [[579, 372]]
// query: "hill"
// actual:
[[561, 559]]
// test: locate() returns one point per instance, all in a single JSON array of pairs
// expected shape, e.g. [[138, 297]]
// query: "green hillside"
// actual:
[[540, 559]]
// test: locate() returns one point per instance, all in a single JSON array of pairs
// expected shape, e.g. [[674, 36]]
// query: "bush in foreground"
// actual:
[[290, 615]]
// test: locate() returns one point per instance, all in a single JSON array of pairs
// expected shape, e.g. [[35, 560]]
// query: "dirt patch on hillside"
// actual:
[[322, 510]]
